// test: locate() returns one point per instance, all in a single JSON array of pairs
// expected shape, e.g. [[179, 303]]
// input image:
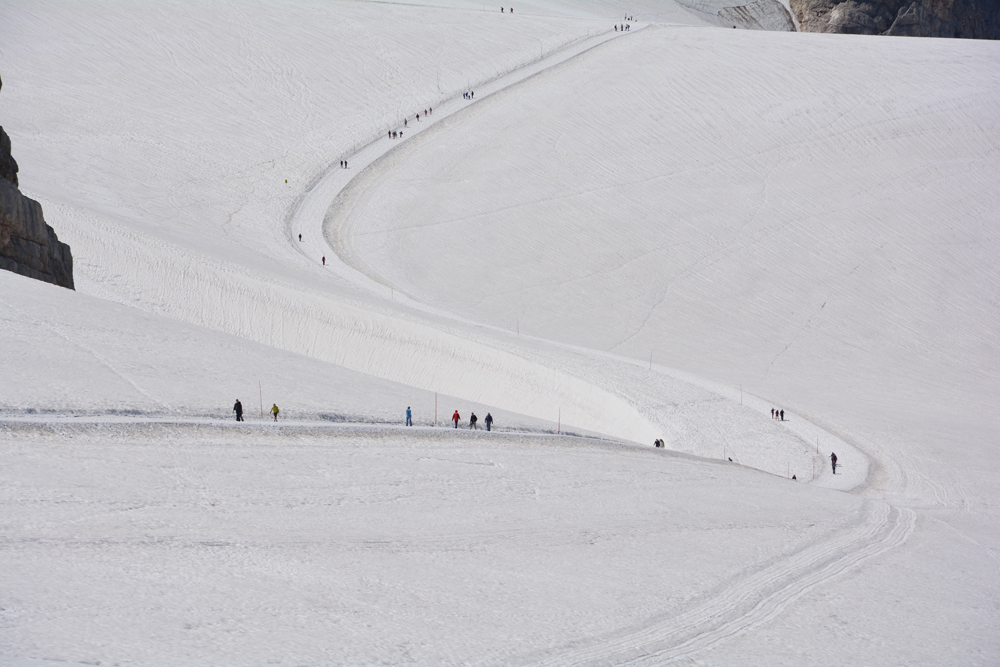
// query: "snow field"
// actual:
[[300, 546], [776, 225]]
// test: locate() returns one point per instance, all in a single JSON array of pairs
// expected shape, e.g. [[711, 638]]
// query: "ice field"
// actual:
[[658, 234]]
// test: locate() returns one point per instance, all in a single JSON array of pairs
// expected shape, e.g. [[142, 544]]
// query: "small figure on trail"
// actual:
[[404, 124], [730, 459], [455, 418], [501, 10], [794, 478], [616, 27], [418, 117], [275, 411], [472, 422], [324, 260], [432, 111], [238, 409], [489, 421], [345, 164], [833, 462], [772, 413], [782, 415], [409, 416], [300, 238]]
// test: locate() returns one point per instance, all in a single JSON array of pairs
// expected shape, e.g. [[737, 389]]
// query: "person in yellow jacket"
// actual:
[[275, 411]]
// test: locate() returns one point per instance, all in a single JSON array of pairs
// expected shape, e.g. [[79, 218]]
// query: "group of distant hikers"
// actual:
[[238, 409], [473, 419], [474, 423]]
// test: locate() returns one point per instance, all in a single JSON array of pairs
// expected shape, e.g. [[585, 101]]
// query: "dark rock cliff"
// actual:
[[28, 246], [969, 19]]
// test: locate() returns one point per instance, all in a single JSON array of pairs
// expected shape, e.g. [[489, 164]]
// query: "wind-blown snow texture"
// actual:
[[800, 221]]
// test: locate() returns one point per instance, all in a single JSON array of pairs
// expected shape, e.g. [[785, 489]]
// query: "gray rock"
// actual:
[[28, 246], [971, 19]]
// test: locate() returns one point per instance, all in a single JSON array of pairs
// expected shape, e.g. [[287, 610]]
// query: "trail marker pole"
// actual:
[[260, 393]]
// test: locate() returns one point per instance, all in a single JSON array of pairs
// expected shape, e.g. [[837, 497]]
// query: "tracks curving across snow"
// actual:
[[751, 601]]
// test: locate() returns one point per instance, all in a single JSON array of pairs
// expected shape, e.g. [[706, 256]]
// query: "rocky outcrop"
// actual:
[[28, 246], [969, 19]]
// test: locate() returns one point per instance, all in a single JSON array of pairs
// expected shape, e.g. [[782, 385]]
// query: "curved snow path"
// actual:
[[315, 219]]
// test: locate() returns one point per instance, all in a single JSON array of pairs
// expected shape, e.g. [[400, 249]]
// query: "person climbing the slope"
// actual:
[[489, 421], [455, 418], [275, 411], [833, 462], [472, 422], [238, 409], [409, 416]]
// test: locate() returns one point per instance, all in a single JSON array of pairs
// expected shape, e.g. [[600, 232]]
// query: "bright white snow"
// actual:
[[781, 220]]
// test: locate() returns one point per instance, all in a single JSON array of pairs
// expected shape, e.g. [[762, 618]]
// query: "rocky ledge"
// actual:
[[28, 246]]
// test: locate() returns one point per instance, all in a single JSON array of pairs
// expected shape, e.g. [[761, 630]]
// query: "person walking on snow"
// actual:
[[772, 413], [409, 416], [472, 422], [275, 411], [782, 413], [455, 418], [489, 421], [833, 462], [238, 409], [324, 260]]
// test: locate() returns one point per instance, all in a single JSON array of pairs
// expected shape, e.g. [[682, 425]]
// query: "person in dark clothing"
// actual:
[[409, 416], [455, 418], [300, 238], [782, 413], [472, 422], [772, 413], [238, 409], [833, 462], [489, 421]]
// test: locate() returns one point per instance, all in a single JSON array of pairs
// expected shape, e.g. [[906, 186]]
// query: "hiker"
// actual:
[[782, 413], [324, 260], [409, 416], [275, 411], [238, 409], [489, 421], [772, 413], [472, 422], [300, 238], [455, 418], [404, 124], [833, 462]]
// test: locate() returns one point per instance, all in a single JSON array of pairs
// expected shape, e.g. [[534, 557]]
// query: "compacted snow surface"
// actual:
[[664, 233]]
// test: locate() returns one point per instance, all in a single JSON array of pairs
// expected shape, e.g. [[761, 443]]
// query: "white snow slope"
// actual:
[[658, 234]]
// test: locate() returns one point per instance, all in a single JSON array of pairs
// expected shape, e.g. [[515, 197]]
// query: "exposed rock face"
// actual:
[[970, 19], [28, 246]]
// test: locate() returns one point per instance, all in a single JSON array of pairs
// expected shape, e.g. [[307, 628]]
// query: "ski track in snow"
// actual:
[[749, 602]]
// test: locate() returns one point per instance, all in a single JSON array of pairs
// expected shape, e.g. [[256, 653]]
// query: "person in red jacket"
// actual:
[[833, 462], [455, 418]]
